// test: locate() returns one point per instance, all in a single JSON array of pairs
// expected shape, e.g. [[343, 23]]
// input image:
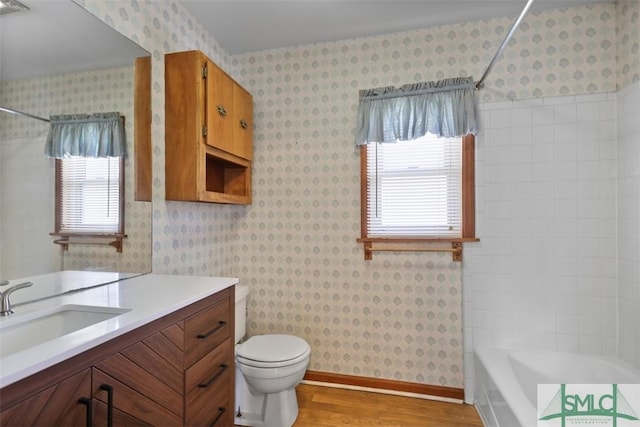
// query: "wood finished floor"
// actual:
[[333, 407]]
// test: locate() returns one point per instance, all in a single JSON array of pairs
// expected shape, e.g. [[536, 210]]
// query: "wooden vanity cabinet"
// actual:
[[208, 132], [177, 370], [66, 403]]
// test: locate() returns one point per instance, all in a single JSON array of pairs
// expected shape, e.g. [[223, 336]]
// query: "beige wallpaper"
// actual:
[[570, 51], [628, 42], [398, 316], [88, 92], [190, 238]]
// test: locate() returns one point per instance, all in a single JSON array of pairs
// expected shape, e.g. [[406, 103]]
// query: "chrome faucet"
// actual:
[[5, 304]]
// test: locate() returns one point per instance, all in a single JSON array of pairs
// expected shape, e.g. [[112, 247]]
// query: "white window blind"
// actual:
[[89, 195], [415, 188]]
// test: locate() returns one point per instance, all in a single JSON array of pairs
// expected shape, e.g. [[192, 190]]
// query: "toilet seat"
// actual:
[[272, 351]]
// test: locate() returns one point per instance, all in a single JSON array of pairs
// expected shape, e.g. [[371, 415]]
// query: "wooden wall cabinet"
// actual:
[[175, 371], [208, 132]]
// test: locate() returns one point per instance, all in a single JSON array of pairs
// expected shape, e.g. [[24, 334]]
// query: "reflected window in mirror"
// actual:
[[89, 198]]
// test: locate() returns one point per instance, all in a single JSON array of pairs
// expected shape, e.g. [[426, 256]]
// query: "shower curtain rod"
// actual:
[[20, 113], [506, 40]]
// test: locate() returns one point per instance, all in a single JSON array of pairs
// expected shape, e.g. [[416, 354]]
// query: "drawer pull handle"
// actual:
[[212, 380], [244, 124], [221, 111], [109, 390], [221, 324], [220, 413], [89, 404]]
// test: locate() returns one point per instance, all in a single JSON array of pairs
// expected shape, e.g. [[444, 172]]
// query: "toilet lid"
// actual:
[[272, 348]]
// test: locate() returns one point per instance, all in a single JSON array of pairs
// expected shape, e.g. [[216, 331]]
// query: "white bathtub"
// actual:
[[506, 381]]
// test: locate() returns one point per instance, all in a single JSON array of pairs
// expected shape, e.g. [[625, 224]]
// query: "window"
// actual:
[[89, 198], [419, 190]]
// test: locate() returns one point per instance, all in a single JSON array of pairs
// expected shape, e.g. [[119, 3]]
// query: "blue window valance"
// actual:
[[86, 135], [445, 108]]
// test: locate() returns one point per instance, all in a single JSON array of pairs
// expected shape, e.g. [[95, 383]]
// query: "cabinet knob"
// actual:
[[243, 124], [222, 111]]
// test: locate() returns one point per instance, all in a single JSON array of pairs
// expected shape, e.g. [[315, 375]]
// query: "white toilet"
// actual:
[[268, 368]]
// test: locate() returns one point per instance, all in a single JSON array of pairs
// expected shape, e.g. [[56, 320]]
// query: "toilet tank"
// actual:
[[242, 291]]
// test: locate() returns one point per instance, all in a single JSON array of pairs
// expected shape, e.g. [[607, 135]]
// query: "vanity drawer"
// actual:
[[207, 385], [207, 329]]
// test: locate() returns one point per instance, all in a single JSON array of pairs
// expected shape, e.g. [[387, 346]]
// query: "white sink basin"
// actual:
[[24, 331]]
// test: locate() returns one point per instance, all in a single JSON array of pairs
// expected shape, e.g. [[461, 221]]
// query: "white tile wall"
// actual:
[[27, 201], [628, 106], [543, 275]]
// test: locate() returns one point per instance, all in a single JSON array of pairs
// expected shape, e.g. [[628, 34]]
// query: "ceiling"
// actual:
[[58, 36], [242, 26]]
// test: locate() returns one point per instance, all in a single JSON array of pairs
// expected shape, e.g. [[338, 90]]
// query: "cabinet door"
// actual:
[[219, 108], [56, 405], [120, 418], [243, 122], [229, 114], [184, 120], [147, 379], [130, 403]]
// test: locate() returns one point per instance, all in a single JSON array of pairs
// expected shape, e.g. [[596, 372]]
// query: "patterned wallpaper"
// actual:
[[97, 91], [553, 53], [628, 42], [189, 238], [398, 316]]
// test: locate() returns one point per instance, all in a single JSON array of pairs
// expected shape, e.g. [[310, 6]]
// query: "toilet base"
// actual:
[[264, 410]]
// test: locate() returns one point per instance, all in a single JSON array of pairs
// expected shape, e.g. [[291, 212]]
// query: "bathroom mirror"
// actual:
[[57, 58]]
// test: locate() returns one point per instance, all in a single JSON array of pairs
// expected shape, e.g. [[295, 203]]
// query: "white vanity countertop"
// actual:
[[148, 297]]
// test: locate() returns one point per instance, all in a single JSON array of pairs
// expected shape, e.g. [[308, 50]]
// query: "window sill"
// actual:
[[413, 244], [106, 239]]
